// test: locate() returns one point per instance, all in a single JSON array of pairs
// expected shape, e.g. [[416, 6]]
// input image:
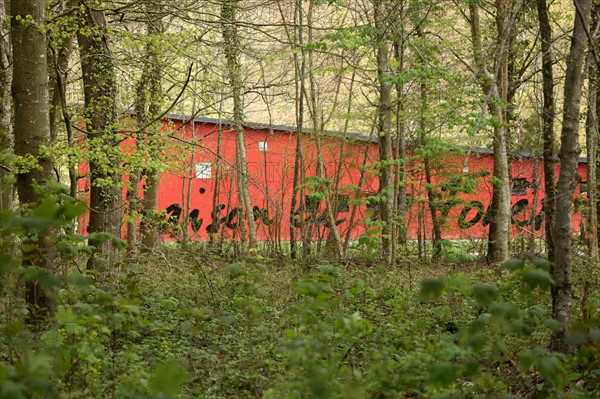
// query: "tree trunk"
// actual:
[[6, 134], [567, 180], [592, 134], [300, 68], [232, 55], [548, 115], [32, 129], [99, 91], [400, 148], [386, 176], [155, 28], [494, 87], [592, 146]]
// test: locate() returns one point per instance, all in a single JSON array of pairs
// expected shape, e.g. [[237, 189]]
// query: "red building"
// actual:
[[201, 184]]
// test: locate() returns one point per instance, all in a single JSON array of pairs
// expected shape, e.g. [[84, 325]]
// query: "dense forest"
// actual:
[[392, 111]]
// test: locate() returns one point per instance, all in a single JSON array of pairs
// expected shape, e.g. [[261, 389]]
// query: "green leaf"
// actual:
[[484, 294], [167, 379], [538, 278], [234, 270], [514, 264], [552, 324], [431, 288], [64, 315], [13, 390], [74, 210], [576, 337], [442, 374], [504, 310], [526, 359], [541, 263], [550, 368], [521, 327], [471, 367], [330, 270]]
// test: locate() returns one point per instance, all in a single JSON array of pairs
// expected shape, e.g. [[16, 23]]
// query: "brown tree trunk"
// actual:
[[300, 68], [548, 115], [99, 89], [6, 134], [232, 55], [155, 28], [591, 133], [495, 89], [568, 178], [32, 129], [386, 175], [400, 148]]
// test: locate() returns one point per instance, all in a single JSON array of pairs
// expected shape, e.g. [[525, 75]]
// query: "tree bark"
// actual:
[[6, 134], [494, 87], [300, 68], [592, 133], [386, 175], [400, 148], [548, 115], [592, 145], [568, 178], [154, 65], [32, 130], [99, 89], [232, 55]]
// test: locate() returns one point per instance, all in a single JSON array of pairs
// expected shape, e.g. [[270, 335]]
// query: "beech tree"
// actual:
[[495, 87], [32, 130], [231, 43], [6, 136], [381, 9], [548, 115], [99, 88], [568, 178]]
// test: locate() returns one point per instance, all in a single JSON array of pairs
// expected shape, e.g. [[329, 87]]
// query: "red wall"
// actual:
[[271, 175]]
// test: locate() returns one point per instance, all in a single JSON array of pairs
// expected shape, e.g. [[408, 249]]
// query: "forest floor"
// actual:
[[185, 323]]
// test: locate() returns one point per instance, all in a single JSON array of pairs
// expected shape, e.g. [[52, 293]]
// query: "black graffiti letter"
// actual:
[[194, 221], [464, 224], [175, 212]]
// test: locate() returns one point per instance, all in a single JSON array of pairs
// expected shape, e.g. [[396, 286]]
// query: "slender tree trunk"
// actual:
[[494, 88], [317, 131], [567, 180], [155, 28], [6, 134], [99, 89], [232, 54], [592, 146], [300, 68], [400, 148], [592, 134], [548, 116], [32, 130], [386, 183], [57, 70]]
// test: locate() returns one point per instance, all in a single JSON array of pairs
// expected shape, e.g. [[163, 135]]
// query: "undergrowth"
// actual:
[[184, 324]]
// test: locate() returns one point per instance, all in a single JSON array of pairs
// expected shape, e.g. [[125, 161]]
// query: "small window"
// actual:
[[262, 146], [203, 170]]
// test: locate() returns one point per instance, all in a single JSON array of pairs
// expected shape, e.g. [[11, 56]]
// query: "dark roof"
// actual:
[[349, 135], [266, 126]]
